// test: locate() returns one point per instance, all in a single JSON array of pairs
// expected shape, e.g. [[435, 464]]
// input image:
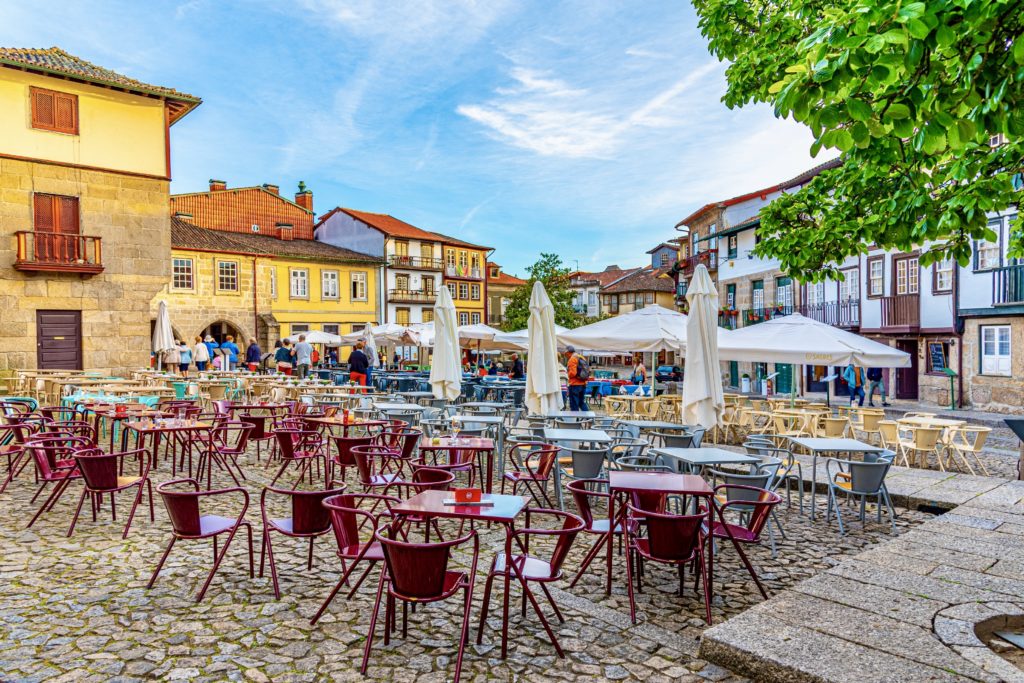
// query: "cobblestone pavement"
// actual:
[[77, 609]]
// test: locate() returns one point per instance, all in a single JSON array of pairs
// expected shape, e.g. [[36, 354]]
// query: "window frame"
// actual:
[[292, 332], [754, 289], [218, 275], [852, 292], [981, 350], [273, 282], [463, 318], [906, 258], [935, 277], [34, 121], [428, 315], [870, 263], [475, 318], [324, 274], [995, 224], [733, 248], [453, 290], [336, 328], [474, 292], [292, 272], [463, 291], [399, 311], [191, 274], [359, 277]]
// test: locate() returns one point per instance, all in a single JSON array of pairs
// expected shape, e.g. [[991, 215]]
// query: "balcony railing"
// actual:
[[415, 262], [901, 313], [728, 320], [835, 313], [708, 258], [1008, 285], [58, 252], [465, 273], [753, 316], [414, 295]]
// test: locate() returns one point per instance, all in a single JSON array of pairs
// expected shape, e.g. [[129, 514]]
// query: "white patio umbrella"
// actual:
[[800, 340], [543, 387], [521, 338], [652, 328], [388, 333], [320, 337], [163, 335], [445, 367], [702, 383], [371, 346]]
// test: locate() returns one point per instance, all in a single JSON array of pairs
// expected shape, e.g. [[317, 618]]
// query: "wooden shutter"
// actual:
[[45, 219], [67, 215], [56, 111], [67, 113]]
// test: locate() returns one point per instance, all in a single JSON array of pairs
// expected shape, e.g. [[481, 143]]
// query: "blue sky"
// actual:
[[584, 128]]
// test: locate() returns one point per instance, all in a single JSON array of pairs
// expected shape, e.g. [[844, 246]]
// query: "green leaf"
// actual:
[[874, 44], [861, 136], [1018, 49], [966, 130], [912, 10], [859, 109], [776, 87], [945, 36], [918, 29], [897, 111]]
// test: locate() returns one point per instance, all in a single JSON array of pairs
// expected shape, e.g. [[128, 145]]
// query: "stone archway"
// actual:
[[220, 329]]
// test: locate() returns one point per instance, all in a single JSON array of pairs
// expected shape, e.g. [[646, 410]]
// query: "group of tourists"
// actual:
[[207, 353], [856, 379]]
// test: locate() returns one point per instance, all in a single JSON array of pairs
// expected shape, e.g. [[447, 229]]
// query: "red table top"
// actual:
[[268, 406], [431, 504], [338, 421], [448, 443], [663, 482], [173, 425]]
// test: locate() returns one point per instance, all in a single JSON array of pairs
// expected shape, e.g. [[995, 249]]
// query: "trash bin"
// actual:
[[1017, 425], [745, 385]]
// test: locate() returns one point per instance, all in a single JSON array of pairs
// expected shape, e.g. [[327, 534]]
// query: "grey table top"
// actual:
[[482, 419], [484, 404], [706, 456], [821, 445], [592, 435], [571, 413], [653, 424], [400, 406]]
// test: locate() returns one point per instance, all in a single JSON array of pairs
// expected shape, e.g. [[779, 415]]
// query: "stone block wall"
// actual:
[[990, 392], [130, 215]]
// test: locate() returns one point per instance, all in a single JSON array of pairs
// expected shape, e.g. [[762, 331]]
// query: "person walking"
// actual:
[[184, 357], [876, 380], [358, 364], [854, 378], [200, 354], [172, 358], [211, 346], [303, 355], [579, 372], [517, 371], [283, 358], [253, 356], [231, 349], [639, 373]]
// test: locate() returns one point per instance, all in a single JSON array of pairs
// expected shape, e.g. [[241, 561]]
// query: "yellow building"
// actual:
[[465, 274], [84, 227]]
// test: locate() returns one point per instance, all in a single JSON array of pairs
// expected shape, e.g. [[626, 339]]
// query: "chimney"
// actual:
[[272, 189], [284, 231], [217, 185], [186, 217], [304, 197]]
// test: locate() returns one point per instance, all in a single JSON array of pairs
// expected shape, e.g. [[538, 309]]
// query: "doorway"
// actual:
[[906, 378], [59, 340]]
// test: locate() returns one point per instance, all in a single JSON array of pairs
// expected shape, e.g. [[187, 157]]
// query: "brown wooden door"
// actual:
[[56, 223], [906, 378], [59, 340]]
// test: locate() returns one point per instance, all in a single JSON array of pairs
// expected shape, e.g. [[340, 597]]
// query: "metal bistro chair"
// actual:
[[789, 473], [101, 474], [862, 480], [533, 463], [583, 490], [756, 505]]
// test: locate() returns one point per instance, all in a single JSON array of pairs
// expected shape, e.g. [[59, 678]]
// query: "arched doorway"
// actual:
[[221, 329]]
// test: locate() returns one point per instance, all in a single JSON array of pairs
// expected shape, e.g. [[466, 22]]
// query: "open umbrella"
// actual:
[[163, 335], [543, 387], [445, 367], [320, 337], [651, 328], [702, 383]]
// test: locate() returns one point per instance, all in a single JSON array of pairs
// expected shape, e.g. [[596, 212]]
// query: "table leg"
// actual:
[[611, 543], [558, 485], [814, 479], [490, 471], [505, 595]]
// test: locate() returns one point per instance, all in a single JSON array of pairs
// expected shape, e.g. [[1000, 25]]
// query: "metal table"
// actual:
[[560, 436], [695, 459], [819, 445]]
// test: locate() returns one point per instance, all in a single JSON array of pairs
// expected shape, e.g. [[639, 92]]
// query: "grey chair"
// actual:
[[642, 463], [697, 434], [586, 463], [629, 447], [410, 416], [791, 473], [571, 422], [861, 480], [674, 440]]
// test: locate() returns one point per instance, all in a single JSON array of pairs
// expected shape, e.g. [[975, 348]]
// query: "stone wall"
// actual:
[[130, 215], [988, 392]]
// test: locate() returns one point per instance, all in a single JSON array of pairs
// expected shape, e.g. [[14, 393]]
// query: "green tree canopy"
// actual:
[[910, 93], [555, 276]]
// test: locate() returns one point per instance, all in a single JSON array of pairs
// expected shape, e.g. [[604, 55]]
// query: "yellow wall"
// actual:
[[468, 304], [314, 310], [116, 131]]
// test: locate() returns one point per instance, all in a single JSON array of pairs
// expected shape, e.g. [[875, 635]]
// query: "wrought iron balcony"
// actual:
[[844, 314], [58, 252], [1008, 285], [415, 262], [728, 319], [412, 295], [901, 313], [708, 258], [753, 316]]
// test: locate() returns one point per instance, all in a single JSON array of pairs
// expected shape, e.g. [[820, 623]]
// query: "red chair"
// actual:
[[223, 407], [14, 448], [60, 414], [299, 446], [671, 539], [538, 474], [460, 461], [376, 466], [583, 490], [347, 519], [228, 441], [101, 473], [344, 458], [258, 419], [755, 506], [309, 519], [54, 458], [402, 441], [529, 567], [423, 479], [418, 573], [187, 522], [79, 428]]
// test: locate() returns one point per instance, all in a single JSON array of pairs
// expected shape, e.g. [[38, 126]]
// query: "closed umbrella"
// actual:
[[543, 387], [371, 346], [702, 382], [445, 367], [163, 335]]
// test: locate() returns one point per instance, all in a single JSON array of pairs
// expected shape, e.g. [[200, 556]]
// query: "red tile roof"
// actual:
[[604, 277], [503, 277], [642, 280], [456, 242], [55, 61], [238, 209]]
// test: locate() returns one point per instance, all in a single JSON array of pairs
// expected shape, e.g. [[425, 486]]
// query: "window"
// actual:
[[449, 257], [1006, 242], [730, 295], [402, 283], [463, 291], [297, 329], [649, 297], [426, 250], [55, 213], [942, 276], [995, 350], [402, 316], [712, 241], [784, 292], [592, 299], [359, 286], [463, 318], [428, 285], [332, 328], [907, 272], [273, 282], [494, 272], [475, 261], [734, 244], [876, 276], [474, 291], [757, 294], [299, 284], [401, 248], [463, 260], [452, 290], [428, 315], [227, 276], [56, 111], [329, 284], [475, 318], [664, 259], [986, 254], [815, 294], [181, 273], [849, 286]]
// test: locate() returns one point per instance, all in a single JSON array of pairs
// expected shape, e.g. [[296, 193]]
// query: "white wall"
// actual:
[[344, 231]]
